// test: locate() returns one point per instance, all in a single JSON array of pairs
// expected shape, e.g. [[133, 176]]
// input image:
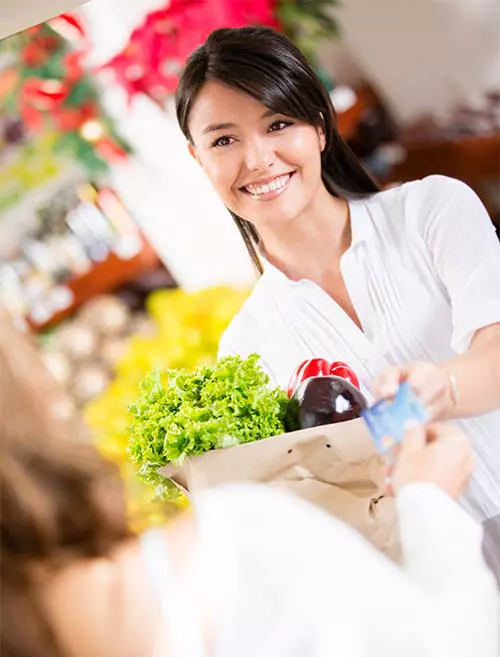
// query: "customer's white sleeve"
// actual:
[[285, 578], [465, 251], [442, 548]]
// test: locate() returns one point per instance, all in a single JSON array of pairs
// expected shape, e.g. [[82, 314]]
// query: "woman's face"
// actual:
[[265, 167]]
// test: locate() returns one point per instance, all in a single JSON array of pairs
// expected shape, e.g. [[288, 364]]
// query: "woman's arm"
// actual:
[[477, 375], [463, 386], [465, 254]]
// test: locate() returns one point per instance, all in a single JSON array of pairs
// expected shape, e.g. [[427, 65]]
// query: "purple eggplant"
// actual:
[[323, 400]]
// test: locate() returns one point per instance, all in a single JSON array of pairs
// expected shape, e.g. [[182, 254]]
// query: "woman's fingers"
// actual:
[[430, 383], [387, 384]]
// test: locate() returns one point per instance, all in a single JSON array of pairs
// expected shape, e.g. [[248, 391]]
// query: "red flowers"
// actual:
[[158, 49]]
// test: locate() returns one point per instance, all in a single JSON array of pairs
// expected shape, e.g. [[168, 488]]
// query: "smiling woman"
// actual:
[[260, 122], [401, 284]]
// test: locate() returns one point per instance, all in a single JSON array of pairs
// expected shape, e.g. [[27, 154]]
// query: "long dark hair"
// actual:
[[267, 66]]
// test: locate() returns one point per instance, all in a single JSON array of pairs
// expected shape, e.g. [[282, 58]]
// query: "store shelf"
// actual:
[[474, 159], [105, 277], [348, 121]]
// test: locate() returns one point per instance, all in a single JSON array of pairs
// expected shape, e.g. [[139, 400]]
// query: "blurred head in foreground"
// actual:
[[60, 501]]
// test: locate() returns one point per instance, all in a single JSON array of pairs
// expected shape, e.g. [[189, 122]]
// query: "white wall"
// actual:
[[425, 55]]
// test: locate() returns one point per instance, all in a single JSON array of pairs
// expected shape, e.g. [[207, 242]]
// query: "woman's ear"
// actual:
[[193, 152], [322, 139], [321, 133]]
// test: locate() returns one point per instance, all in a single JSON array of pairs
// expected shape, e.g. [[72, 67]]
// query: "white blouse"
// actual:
[[423, 274]]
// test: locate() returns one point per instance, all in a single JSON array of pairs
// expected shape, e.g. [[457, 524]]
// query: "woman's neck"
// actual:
[[312, 244]]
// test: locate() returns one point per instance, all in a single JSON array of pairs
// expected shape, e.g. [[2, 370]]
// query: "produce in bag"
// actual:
[[222, 423], [181, 413]]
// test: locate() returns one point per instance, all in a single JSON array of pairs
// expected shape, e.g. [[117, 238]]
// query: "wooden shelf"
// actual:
[[105, 277], [473, 159], [347, 122]]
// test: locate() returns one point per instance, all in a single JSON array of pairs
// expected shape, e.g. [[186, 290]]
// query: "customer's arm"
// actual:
[[442, 544], [443, 558]]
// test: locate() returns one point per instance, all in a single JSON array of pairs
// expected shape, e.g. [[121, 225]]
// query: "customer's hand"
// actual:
[[437, 453], [431, 383]]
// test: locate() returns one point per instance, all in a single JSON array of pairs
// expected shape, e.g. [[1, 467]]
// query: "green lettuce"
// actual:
[[180, 413]]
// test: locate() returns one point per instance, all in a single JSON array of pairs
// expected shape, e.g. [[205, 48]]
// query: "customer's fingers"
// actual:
[[415, 440]]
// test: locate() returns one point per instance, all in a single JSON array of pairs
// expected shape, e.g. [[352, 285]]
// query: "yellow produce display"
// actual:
[[188, 330]]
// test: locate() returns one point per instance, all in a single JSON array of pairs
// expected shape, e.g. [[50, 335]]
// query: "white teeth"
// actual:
[[274, 185]]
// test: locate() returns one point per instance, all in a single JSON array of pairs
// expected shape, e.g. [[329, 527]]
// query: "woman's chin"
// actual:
[[271, 215], [273, 222]]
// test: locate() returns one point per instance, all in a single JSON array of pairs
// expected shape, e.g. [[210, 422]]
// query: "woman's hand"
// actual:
[[436, 453], [432, 384]]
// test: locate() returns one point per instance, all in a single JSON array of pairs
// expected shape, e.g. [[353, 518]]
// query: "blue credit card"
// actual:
[[389, 419]]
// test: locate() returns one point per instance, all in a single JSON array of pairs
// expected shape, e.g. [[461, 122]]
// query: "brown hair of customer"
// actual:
[[60, 501]]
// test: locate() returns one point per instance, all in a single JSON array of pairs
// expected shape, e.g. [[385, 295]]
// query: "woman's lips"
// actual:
[[270, 190]]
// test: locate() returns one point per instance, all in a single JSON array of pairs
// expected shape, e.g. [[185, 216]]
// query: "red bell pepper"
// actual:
[[306, 370], [320, 367], [342, 369]]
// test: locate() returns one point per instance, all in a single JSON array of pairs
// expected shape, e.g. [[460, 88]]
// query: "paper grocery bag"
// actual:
[[334, 466]]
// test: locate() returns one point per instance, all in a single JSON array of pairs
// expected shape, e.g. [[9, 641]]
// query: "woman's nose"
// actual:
[[258, 155]]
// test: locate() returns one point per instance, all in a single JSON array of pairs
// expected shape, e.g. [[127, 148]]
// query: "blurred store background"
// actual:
[[114, 250]]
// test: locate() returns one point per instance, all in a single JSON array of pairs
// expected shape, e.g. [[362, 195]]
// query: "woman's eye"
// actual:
[[279, 125], [222, 141]]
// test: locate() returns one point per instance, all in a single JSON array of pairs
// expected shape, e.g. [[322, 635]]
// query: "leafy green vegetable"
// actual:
[[181, 413]]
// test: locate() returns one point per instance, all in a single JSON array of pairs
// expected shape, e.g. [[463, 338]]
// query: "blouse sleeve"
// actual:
[[291, 579], [466, 255]]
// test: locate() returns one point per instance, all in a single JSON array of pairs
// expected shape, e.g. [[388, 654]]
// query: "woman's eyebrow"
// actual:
[[218, 126], [214, 127]]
